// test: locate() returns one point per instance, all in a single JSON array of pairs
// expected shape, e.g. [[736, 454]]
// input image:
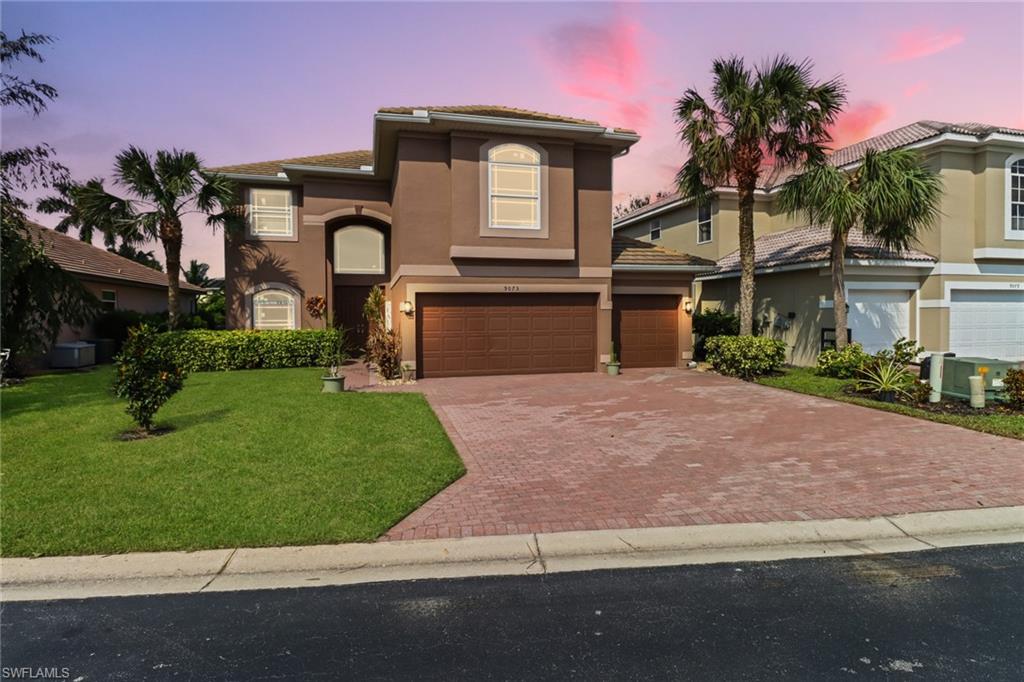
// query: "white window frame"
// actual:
[[490, 189], [288, 212], [104, 301], [275, 289], [710, 223], [655, 231], [1009, 233], [383, 252]]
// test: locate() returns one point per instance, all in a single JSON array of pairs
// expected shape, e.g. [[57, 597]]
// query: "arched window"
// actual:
[[1015, 207], [274, 309], [359, 250], [514, 187]]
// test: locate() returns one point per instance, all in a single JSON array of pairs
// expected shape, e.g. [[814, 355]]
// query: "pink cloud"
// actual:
[[858, 122], [922, 42], [915, 89], [602, 62]]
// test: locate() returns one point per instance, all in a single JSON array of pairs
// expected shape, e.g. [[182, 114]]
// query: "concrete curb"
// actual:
[[288, 567]]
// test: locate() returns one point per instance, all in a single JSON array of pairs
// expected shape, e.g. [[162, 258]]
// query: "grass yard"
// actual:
[[256, 458], [804, 380]]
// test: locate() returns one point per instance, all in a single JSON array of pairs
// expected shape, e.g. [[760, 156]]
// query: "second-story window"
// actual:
[[270, 213], [655, 229], [514, 187], [1015, 227], [704, 224]]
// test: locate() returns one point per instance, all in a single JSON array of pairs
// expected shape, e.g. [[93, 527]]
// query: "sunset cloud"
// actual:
[[858, 122], [915, 89], [603, 62], [922, 42]]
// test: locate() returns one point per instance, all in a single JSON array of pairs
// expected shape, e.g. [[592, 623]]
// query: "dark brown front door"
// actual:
[[472, 334], [348, 312], [646, 330]]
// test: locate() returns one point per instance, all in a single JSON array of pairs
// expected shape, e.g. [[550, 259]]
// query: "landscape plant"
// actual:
[[146, 375], [745, 357], [208, 350], [891, 196], [773, 115], [713, 322], [1013, 386], [885, 379], [842, 364]]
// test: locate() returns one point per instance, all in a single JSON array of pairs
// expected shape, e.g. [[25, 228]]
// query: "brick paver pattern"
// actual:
[[670, 447]]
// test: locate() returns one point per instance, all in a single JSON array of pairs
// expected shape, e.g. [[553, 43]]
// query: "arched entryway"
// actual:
[[359, 255]]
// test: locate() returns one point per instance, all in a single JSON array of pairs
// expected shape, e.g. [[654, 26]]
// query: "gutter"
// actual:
[[426, 116], [811, 265], [629, 267]]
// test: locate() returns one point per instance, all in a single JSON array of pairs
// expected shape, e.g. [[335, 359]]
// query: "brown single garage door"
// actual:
[[470, 334], [646, 330]]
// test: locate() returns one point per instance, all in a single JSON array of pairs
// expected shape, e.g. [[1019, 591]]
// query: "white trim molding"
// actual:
[[1005, 254], [944, 302], [1010, 234]]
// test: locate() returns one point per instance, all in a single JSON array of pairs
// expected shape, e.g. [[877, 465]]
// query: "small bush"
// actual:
[[147, 375], [207, 350], [886, 379], [903, 352], [384, 349], [710, 323], [842, 364], [1013, 385], [745, 356]]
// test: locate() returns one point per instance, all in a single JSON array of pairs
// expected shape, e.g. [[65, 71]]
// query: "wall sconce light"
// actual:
[[688, 307], [406, 307]]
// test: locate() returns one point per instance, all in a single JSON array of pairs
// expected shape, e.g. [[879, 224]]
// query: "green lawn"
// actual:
[[804, 380], [256, 458]]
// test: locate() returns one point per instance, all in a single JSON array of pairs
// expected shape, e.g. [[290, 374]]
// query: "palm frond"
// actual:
[[901, 197]]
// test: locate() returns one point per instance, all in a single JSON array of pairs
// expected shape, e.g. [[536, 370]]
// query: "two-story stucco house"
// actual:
[[489, 229], [961, 289]]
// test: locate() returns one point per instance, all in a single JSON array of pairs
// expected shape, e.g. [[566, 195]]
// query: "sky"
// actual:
[[241, 82]]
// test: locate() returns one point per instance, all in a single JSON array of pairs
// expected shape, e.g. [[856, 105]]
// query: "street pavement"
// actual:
[[951, 614]]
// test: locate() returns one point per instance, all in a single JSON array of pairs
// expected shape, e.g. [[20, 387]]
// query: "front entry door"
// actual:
[[348, 312]]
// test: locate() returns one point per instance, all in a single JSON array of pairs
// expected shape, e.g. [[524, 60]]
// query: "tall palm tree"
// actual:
[[774, 113], [108, 225], [197, 273], [891, 196], [161, 189]]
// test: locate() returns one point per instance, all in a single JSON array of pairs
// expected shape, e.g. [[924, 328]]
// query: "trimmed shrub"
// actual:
[[147, 375], [903, 352], [208, 350], [1013, 385], [745, 356], [842, 364], [710, 323]]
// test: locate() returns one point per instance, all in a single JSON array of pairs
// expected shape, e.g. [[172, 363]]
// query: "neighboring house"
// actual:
[[489, 229], [961, 289], [118, 282]]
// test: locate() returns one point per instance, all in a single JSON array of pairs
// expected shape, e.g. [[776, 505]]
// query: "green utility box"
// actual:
[[955, 372]]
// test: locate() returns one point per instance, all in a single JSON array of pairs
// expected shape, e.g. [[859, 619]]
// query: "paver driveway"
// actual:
[[677, 447]]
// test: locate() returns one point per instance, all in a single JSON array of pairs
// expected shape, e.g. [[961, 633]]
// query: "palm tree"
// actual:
[[774, 113], [161, 189], [891, 196], [197, 273]]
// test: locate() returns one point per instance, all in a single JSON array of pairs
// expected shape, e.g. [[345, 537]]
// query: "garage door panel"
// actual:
[[987, 323], [646, 329], [513, 333], [878, 318]]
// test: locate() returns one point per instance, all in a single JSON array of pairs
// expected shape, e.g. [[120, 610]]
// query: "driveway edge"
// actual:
[[289, 567]]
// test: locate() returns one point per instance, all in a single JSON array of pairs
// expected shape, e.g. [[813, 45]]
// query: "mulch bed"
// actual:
[[945, 406]]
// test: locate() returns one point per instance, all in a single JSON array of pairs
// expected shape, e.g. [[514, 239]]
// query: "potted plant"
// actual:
[[333, 379], [613, 363]]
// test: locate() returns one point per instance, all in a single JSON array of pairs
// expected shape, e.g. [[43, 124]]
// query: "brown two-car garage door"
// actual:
[[471, 334], [646, 330]]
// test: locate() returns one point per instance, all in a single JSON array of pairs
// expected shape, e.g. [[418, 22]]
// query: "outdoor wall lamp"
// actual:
[[688, 307], [406, 307]]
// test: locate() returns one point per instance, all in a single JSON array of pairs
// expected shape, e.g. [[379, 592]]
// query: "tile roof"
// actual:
[[893, 139], [629, 251], [812, 244], [351, 160], [497, 111], [82, 258]]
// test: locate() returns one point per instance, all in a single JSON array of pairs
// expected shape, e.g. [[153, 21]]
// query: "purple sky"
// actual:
[[258, 81]]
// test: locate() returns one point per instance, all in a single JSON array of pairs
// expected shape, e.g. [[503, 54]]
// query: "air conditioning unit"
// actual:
[[955, 372], [73, 355]]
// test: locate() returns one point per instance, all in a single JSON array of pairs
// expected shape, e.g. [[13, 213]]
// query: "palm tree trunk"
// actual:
[[170, 235], [839, 285], [746, 205]]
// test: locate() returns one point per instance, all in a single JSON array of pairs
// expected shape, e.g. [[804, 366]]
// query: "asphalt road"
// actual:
[[936, 615]]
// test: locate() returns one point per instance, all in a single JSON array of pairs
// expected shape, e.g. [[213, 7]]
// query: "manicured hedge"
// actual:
[[746, 356], [207, 350]]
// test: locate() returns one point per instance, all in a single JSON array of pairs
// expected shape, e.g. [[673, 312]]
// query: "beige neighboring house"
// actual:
[[489, 229], [961, 289], [118, 282]]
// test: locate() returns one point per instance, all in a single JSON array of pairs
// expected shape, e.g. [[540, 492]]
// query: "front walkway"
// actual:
[[671, 447]]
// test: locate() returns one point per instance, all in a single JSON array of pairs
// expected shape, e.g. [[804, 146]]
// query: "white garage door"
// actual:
[[987, 323], [878, 318]]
